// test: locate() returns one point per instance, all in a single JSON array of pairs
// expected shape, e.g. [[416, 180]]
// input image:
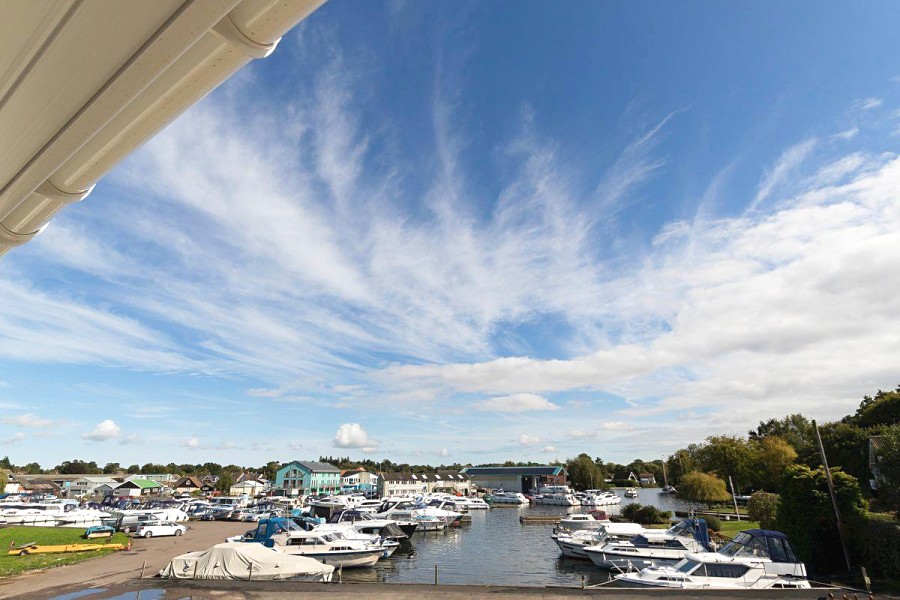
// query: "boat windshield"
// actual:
[[772, 547], [745, 544], [686, 566], [683, 528]]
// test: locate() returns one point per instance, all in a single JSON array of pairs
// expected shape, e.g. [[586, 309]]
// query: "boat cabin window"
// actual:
[[725, 570]]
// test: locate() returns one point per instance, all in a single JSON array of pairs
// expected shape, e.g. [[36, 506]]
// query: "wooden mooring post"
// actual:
[[435, 575], [143, 566]]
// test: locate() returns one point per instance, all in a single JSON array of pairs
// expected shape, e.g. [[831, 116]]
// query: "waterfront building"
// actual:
[[300, 477], [250, 487], [413, 484], [91, 485], [646, 478], [187, 485], [138, 487], [166, 479], [516, 479], [359, 481], [64, 486]]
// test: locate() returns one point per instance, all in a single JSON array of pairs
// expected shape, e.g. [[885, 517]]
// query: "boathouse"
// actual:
[[516, 479]]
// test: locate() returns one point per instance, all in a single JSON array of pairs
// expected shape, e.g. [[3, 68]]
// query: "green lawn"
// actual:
[[732, 528], [14, 565]]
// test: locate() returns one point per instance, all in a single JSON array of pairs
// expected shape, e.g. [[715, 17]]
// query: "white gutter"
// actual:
[[197, 45]]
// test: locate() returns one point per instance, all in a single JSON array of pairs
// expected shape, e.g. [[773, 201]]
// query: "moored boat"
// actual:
[[755, 559], [653, 547]]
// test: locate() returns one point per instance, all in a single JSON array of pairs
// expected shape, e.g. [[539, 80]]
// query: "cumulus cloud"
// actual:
[[528, 440], [104, 431], [352, 435], [444, 452], [578, 433], [27, 420], [516, 403], [192, 443], [548, 449]]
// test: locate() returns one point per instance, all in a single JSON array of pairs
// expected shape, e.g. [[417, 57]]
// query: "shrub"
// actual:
[[875, 544], [763, 508], [713, 523], [647, 515], [630, 511]]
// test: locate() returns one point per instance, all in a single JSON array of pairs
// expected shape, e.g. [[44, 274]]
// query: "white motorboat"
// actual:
[[630, 493], [557, 499], [755, 559], [50, 514], [573, 543], [426, 519], [501, 497], [584, 521], [653, 547], [600, 498], [329, 547], [473, 503]]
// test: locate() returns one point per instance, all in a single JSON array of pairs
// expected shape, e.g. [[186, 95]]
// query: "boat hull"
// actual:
[[344, 560]]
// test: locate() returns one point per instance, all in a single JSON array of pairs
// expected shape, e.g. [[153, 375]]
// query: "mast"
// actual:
[[665, 477]]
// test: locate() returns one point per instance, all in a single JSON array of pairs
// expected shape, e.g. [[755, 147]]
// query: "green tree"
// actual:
[[584, 473], [4, 477], [726, 456], [889, 467], [703, 487], [111, 468], [846, 446], [133, 469], [806, 515], [225, 482], [772, 456], [795, 429], [883, 409], [763, 508], [32, 468]]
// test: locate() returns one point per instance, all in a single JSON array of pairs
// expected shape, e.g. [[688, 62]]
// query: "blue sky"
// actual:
[[441, 232]]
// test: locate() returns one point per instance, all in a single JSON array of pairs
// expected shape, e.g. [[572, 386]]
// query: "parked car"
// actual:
[[238, 515], [147, 530], [252, 517]]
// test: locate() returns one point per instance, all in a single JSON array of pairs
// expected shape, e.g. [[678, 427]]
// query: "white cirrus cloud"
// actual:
[[783, 168], [515, 403], [27, 420], [353, 435], [104, 431]]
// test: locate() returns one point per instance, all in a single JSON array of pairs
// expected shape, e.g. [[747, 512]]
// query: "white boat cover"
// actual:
[[232, 560]]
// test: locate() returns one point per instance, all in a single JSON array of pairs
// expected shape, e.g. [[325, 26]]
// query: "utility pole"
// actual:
[[837, 513]]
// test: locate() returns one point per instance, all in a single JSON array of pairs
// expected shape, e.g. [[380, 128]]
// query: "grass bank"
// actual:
[[14, 565]]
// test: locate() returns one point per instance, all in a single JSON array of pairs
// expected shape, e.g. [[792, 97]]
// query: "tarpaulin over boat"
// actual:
[[234, 560]]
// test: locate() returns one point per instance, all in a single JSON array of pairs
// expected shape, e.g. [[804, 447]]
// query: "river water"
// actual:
[[496, 549]]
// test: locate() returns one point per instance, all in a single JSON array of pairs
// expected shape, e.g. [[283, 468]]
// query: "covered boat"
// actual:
[[235, 560]]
